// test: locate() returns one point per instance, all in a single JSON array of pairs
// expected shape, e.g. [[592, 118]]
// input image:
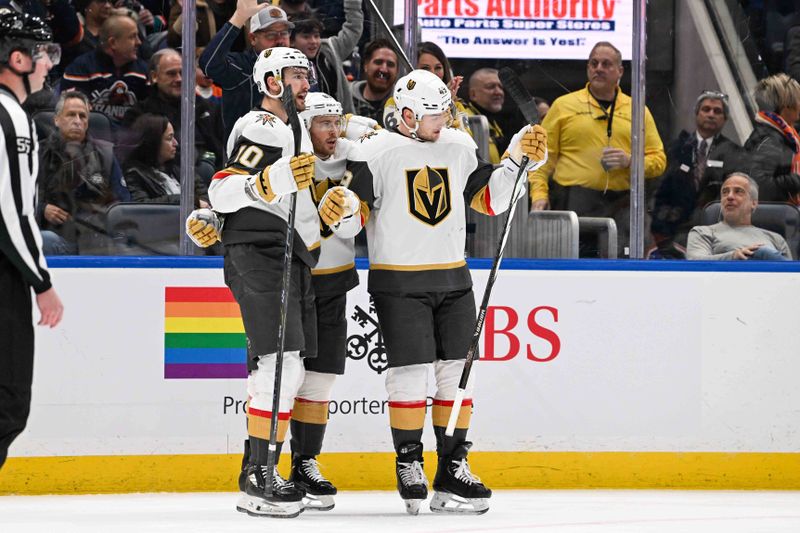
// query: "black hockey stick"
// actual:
[[521, 97], [294, 122]]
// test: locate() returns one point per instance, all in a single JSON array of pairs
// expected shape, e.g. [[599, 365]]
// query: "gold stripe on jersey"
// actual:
[[479, 203], [264, 186], [314, 246], [310, 412], [416, 268], [407, 416], [332, 270], [441, 415]]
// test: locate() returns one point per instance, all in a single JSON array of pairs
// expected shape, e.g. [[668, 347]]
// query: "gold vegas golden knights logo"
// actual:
[[267, 53], [428, 194], [410, 85]]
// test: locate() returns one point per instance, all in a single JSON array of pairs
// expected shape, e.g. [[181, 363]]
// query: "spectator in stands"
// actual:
[[380, 73], [95, 13], [589, 143], [736, 237], [327, 55], [147, 172], [165, 99], [486, 97], [233, 71], [208, 90], [112, 76], [297, 8], [542, 106], [697, 164], [773, 148], [205, 20], [79, 178]]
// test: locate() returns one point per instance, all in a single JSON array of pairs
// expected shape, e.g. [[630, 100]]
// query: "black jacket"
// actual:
[[770, 163], [146, 185], [678, 198]]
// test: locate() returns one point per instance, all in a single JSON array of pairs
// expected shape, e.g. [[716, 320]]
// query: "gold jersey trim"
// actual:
[[417, 268], [332, 270]]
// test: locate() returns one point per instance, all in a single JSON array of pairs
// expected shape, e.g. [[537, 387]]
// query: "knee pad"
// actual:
[[407, 383], [316, 386], [448, 374], [261, 381]]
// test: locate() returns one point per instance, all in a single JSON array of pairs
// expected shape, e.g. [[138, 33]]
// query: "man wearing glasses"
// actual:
[[697, 164], [589, 145], [233, 71]]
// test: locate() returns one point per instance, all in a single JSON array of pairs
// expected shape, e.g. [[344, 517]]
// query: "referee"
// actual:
[[26, 56]]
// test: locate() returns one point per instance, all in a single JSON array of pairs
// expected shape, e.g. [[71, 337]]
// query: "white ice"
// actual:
[[565, 511]]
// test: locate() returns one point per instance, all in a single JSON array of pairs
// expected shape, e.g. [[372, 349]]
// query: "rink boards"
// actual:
[[598, 374]]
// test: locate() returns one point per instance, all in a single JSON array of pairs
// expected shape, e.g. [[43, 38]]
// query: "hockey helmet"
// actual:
[[22, 31], [272, 61], [319, 104], [423, 93]]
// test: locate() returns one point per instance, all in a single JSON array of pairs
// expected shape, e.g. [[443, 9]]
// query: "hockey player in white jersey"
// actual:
[[254, 194], [415, 184], [333, 275]]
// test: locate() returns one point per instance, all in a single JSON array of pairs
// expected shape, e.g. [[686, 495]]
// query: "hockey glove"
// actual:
[[338, 204], [203, 227], [530, 141], [284, 176], [354, 126]]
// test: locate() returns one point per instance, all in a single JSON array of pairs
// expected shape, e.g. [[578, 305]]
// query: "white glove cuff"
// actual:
[[281, 179], [358, 126]]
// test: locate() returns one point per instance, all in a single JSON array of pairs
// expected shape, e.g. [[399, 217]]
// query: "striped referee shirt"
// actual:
[[20, 240]]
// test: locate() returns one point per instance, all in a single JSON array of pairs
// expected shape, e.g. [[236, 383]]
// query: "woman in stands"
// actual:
[[151, 168], [774, 145]]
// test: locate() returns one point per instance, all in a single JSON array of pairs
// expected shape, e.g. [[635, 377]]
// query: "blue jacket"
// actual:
[[111, 91], [233, 71]]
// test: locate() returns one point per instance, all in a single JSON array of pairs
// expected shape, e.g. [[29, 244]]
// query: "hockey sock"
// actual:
[[258, 425], [309, 420], [407, 420], [441, 414]]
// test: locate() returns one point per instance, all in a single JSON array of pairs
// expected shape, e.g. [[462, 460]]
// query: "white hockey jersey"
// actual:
[[417, 193], [257, 140], [335, 271], [20, 240]]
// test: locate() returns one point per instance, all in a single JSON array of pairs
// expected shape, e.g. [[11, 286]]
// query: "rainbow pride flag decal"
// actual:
[[203, 334]]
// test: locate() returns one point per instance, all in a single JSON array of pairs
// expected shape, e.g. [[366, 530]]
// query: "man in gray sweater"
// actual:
[[736, 237]]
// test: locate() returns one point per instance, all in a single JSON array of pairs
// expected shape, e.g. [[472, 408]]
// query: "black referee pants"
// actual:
[[16, 355]]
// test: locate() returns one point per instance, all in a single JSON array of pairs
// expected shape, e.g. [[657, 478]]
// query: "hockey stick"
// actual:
[[528, 108], [294, 122]]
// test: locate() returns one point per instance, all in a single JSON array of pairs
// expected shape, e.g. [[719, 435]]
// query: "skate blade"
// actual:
[[262, 508], [412, 506], [313, 502], [445, 502]]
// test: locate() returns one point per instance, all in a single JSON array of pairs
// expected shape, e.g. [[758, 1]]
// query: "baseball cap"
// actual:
[[267, 17]]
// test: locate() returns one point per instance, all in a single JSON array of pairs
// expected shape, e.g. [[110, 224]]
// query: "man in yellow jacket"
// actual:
[[589, 144]]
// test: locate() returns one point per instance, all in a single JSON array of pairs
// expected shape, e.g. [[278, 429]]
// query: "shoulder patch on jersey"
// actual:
[[367, 135], [266, 119]]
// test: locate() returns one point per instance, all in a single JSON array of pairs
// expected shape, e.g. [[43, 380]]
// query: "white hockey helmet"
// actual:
[[423, 93], [272, 61], [319, 104]]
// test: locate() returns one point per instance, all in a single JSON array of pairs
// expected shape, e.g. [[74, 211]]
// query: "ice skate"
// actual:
[[411, 481], [456, 489], [286, 500], [306, 476]]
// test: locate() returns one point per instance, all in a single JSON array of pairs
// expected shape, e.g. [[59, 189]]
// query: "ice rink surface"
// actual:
[[564, 511]]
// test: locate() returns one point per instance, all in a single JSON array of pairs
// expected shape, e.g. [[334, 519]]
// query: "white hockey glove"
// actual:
[[284, 176], [203, 227], [354, 126], [530, 141], [338, 204]]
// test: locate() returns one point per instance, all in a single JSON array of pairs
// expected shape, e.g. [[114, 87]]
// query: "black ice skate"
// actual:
[[245, 464], [306, 476], [411, 481], [456, 489], [286, 500]]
